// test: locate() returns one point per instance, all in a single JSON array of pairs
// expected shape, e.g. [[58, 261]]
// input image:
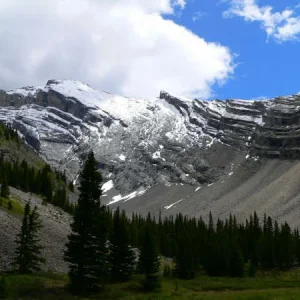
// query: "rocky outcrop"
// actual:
[[279, 135]]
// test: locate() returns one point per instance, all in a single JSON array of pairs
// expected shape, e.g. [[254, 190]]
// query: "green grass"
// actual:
[[285, 285], [17, 208]]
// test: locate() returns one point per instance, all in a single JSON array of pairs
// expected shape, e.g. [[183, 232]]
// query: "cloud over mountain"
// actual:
[[124, 46]]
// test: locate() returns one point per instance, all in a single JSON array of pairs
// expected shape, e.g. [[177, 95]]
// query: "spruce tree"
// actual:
[[4, 193], [121, 255], [236, 261], [28, 252], [149, 262], [185, 262], [86, 247], [3, 288]]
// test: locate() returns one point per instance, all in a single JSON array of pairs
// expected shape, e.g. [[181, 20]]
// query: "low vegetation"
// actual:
[[275, 285], [12, 205]]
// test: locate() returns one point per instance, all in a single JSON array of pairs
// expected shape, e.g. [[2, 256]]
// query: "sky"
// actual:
[[247, 49]]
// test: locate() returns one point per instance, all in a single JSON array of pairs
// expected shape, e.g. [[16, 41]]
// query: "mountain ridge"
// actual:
[[144, 144]]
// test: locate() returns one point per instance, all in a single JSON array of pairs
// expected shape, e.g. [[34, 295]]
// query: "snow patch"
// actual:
[[122, 157], [126, 198], [171, 205], [156, 155], [107, 186], [210, 143]]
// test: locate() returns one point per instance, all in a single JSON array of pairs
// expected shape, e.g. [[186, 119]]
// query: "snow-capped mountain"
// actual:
[[143, 144]]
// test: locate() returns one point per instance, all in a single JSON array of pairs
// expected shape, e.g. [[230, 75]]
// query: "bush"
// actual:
[[151, 282], [9, 205], [167, 272]]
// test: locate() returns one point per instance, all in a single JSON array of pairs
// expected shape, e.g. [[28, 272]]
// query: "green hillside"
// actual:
[[22, 168]]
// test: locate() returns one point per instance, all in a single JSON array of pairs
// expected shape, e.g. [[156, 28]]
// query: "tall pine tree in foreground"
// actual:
[[121, 255], [86, 246], [28, 252], [149, 262]]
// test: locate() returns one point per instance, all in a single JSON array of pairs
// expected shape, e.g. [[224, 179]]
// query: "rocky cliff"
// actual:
[[143, 143]]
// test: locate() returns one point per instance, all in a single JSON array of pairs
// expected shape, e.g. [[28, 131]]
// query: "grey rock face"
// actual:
[[141, 143]]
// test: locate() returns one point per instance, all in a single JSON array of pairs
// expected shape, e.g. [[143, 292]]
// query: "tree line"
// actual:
[[106, 246], [51, 185], [101, 246]]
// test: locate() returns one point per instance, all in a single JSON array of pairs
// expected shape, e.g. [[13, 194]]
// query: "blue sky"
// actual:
[[265, 67]]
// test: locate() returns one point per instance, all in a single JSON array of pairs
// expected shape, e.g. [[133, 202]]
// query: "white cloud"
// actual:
[[198, 15], [123, 46], [282, 26]]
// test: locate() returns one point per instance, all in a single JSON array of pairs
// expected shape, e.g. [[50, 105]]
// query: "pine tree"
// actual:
[[28, 252], [149, 262], [4, 193], [86, 246], [185, 262], [9, 205], [3, 288], [236, 262], [121, 255]]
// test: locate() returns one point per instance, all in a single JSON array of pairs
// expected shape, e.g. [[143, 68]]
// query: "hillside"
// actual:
[[12, 147], [53, 235]]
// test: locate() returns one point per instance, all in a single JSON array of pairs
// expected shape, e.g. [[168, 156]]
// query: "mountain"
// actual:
[[169, 154]]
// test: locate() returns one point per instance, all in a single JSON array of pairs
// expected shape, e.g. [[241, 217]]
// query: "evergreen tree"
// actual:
[[4, 193], [28, 252], [149, 262], [3, 289], [185, 262], [9, 205], [71, 186], [121, 255], [236, 262], [86, 246]]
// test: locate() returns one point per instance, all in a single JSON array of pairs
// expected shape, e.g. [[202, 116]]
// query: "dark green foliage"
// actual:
[[4, 192], [185, 258], [28, 252], [149, 261], [71, 186], [222, 248], [38, 181], [236, 262], [121, 254], [3, 288], [42, 181], [9, 205], [60, 198], [167, 271], [252, 269], [7, 133], [86, 246]]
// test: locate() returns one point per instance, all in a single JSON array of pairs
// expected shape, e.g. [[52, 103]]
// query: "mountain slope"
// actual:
[[146, 147], [56, 227]]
